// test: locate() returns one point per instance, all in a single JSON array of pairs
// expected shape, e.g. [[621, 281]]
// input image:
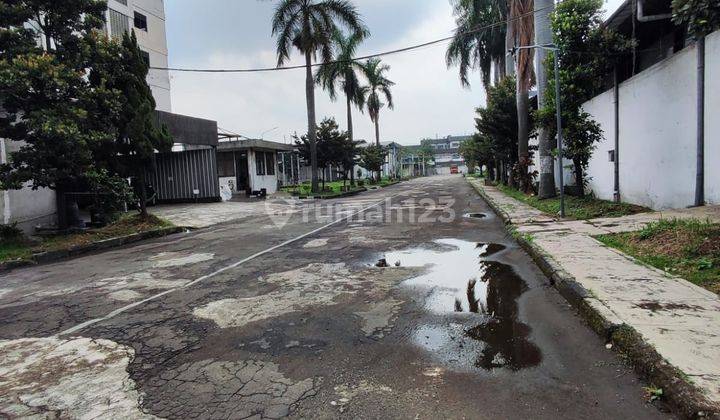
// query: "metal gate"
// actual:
[[187, 176]]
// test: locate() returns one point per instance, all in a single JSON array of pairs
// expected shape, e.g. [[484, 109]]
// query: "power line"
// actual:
[[365, 57]]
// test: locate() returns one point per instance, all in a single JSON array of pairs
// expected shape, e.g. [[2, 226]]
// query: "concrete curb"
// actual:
[[66, 254], [684, 397]]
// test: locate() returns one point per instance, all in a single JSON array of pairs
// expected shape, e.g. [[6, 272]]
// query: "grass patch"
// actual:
[[575, 207], [14, 250], [20, 248], [333, 188], [686, 248]]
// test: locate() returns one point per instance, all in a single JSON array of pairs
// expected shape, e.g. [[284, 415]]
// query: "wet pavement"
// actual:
[[284, 315]]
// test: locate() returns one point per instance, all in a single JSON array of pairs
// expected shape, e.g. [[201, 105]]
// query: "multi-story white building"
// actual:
[[28, 207], [147, 19]]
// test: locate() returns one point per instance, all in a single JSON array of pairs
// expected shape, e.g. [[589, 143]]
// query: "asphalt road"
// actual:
[[287, 315]]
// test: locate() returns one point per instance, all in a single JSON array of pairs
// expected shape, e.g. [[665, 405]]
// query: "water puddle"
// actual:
[[474, 215], [490, 249], [472, 306]]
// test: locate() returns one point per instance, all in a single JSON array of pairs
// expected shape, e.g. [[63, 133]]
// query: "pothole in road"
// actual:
[[472, 304], [475, 215]]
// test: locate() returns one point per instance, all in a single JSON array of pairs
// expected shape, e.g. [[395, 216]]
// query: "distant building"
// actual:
[[447, 154]]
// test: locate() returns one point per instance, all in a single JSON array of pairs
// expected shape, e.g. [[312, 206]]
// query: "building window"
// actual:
[[269, 163], [146, 57], [124, 2], [141, 21], [260, 163], [226, 164], [119, 24]]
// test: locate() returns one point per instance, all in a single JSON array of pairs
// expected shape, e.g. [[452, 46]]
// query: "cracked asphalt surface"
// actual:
[[239, 321]]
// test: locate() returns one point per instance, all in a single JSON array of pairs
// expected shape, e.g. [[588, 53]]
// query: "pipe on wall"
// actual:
[[7, 213], [616, 160], [700, 163]]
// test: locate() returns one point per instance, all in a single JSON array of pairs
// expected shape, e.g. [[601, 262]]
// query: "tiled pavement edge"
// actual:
[[668, 327]]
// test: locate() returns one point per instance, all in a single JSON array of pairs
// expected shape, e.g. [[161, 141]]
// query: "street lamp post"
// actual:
[[559, 133], [262, 136], [556, 63]]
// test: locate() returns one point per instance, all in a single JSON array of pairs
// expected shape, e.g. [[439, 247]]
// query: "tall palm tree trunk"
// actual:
[[509, 44], [543, 36], [522, 29], [377, 142], [377, 131], [523, 112], [350, 135], [312, 135]]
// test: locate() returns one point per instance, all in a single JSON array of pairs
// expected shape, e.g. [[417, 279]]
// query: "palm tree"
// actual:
[[522, 29], [543, 36], [308, 26], [474, 48], [378, 85], [343, 72]]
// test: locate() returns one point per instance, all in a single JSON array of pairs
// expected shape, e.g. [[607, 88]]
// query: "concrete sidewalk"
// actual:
[[677, 319]]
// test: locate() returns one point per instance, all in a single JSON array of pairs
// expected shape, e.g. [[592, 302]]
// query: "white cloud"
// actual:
[[428, 97]]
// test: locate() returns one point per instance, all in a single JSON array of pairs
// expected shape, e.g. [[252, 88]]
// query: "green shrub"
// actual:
[[10, 233]]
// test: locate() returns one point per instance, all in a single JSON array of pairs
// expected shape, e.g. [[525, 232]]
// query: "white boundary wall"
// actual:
[[657, 133]]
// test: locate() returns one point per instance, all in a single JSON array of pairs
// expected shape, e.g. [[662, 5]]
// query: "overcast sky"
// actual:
[[429, 100]]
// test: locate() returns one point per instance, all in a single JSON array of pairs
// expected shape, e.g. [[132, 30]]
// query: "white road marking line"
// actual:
[[126, 308]]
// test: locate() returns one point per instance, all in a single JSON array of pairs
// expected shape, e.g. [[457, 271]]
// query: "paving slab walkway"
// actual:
[[679, 319]]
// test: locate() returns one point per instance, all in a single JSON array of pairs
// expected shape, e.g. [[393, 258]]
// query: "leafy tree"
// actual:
[[329, 139], [426, 153], [309, 25], [120, 71], [472, 48], [44, 93], [340, 150], [139, 135], [334, 144], [372, 158], [470, 151], [700, 16], [496, 124], [343, 72], [111, 193], [583, 45]]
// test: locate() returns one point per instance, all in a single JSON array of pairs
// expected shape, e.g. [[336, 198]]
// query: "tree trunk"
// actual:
[[61, 208], [143, 194], [523, 111], [350, 136], [377, 142], [509, 44], [579, 178], [543, 36], [312, 135]]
